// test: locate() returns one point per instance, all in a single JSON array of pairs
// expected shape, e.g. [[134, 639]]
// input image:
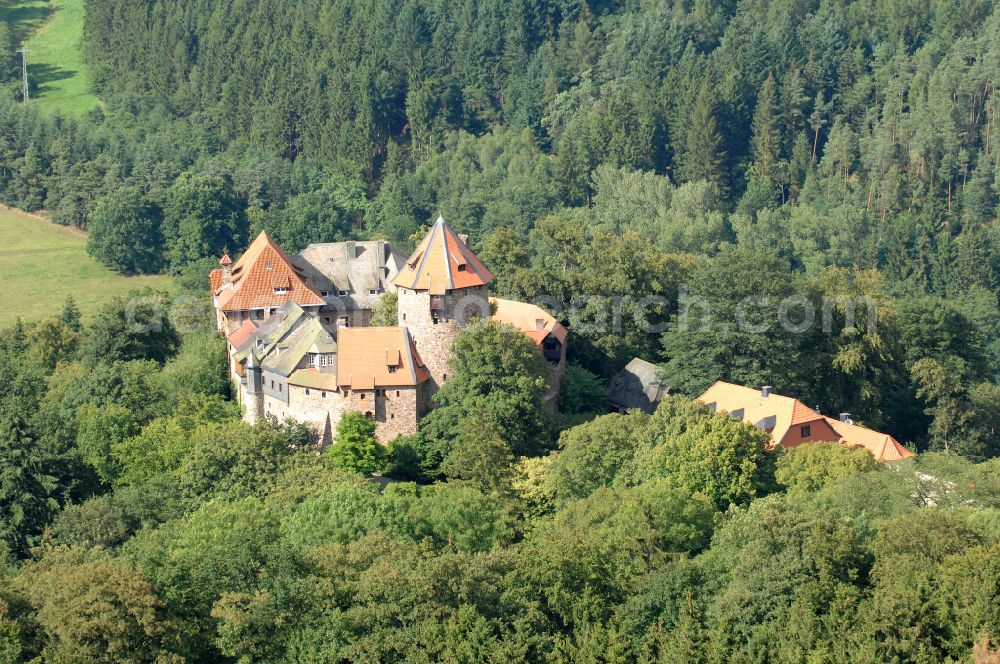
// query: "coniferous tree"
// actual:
[[766, 137], [702, 156]]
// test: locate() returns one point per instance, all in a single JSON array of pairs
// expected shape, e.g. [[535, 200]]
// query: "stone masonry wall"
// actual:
[[434, 340], [321, 413], [395, 414]]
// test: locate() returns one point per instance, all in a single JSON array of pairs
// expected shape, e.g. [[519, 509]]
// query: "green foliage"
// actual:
[[125, 233], [385, 312], [25, 489], [135, 327], [357, 449], [812, 466], [198, 368], [98, 431], [591, 455], [221, 547], [97, 609], [581, 391], [202, 217], [342, 513]]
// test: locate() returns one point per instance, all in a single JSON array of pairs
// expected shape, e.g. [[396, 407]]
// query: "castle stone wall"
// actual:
[[434, 331]]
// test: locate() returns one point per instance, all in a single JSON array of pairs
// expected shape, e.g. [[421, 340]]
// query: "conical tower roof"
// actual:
[[441, 263]]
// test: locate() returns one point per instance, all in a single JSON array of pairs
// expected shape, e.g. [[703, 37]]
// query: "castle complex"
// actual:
[[300, 340]]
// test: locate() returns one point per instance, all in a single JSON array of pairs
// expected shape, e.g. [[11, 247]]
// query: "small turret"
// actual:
[[226, 263]]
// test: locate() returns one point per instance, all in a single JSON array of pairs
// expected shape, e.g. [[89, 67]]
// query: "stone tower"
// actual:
[[442, 287]]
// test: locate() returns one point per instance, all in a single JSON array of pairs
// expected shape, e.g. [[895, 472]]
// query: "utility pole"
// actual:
[[24, 73]]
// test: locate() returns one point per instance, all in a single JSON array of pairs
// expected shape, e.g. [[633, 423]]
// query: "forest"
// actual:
[[596, 152]]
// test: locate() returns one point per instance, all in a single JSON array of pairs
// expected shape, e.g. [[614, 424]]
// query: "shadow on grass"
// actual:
[[24, 18], [40, 75]]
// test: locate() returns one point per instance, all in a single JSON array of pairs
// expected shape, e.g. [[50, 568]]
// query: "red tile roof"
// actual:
[[781, 413], [531, 319], [215, 279], [241, 334], [882, 446], [370, 357], [265, 276], [442, 262]]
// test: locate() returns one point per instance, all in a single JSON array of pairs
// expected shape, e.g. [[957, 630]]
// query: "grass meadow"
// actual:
[[42, 263], [51, 31]]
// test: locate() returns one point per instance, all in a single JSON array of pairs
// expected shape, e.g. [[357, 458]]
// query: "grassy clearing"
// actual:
[[52, 31], [41, 264]]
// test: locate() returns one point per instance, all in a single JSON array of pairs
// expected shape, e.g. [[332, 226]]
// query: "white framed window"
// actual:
[[322, 360], [281, 291], [373, 291], [343, 293], [325, 293]]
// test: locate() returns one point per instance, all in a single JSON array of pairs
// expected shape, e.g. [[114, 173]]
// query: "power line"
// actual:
[[24, 73]]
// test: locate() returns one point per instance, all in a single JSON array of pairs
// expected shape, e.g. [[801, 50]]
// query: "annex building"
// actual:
[[791, 423], [299, 335]]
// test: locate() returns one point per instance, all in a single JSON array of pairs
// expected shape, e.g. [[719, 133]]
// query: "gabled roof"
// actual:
[[371, 357], [639, 385], [783, 411], [215, 280], [265, 276], [352, 265], [275, 328], [284, 356], [777, 414], [881, 445], [442, 262], [242, 334], [531, 319]]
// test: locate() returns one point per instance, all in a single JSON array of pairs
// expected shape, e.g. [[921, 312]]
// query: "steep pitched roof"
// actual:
[[242, 334], [442, 262], [531, 319], [352, 266], [215, 279], [275, 328], [265, 276], [777, 414], [284, 356], [371, 357], [881, 445], [639, 385]]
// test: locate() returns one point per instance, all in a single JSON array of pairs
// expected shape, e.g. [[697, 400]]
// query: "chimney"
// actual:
[[464, 238], [349, 245], [227, 269], [846, 418], [765, 391]]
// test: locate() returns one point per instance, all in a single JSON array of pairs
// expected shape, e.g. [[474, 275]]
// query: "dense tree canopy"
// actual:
[[639, 168]]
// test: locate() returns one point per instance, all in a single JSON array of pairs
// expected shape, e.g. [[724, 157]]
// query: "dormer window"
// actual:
[[393, 369], [280, 290], [343, 293], [373, 291], [539, 323], [325, 293], [461, 267], [267, 265]]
